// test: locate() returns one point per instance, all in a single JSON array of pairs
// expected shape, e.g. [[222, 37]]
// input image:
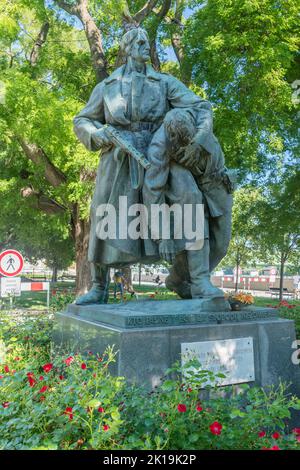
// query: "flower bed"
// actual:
[[72, 402]]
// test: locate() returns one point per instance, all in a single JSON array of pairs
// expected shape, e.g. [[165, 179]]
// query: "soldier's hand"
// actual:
[[100, 138], [167, 250]]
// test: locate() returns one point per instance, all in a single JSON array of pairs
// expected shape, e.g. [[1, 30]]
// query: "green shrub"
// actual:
[[292, 312], [73, 402], [60, 300]]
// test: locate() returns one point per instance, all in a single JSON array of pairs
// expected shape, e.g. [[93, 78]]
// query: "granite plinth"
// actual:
[[148, 336], [164, 313]]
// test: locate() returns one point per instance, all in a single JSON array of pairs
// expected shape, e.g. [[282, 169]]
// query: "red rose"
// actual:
[[31, 379], [216, 428], [69, 360], [100, 409], [5, 404], [69, 411], [275, 448], [199, 408], [262, 434], [181, 408], [189, 390], [298, 438], [41, 377], [6, 369], [1, 376], [61, 377], [296, 431], [105, 427], [47, 367], [276, 435], [43, 389], [83, 366]]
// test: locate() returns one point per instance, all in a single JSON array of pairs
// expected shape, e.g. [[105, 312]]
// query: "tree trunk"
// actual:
[[154, 55], [54, 274], [94, 38], [237, 267], [282, 263], [80, 233]]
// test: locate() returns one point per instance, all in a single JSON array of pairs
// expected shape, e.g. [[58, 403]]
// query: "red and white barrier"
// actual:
[[11, 287], [35, 286]]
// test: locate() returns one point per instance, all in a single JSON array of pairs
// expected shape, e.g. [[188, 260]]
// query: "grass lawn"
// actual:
[[63, 292]]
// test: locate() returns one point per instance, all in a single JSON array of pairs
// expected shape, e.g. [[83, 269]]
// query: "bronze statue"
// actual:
[[171, 127]]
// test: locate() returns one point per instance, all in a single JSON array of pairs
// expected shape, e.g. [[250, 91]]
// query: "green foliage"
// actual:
[[75, 403], [243, 247], [242, 53], [279, 220], [292, 312], [38, 107]]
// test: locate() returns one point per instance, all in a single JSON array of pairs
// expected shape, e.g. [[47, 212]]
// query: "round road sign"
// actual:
[[11, 263]]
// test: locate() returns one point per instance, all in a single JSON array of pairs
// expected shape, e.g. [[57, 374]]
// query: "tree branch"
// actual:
[[93, 35], [7, 240], [176, 40], [145, 11], [37, 155], [176, 36], [42, 202], [41, 39], [160, 17]]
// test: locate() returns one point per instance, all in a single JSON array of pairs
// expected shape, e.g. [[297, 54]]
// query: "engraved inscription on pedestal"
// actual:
[[231, 357]]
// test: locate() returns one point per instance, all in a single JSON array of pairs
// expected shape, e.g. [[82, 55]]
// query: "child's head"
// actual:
[[180, 127]]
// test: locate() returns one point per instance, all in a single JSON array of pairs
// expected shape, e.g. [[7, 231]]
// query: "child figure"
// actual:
[[176, 177]]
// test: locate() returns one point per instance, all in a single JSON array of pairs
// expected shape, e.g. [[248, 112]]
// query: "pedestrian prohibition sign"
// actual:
[[11, 263]]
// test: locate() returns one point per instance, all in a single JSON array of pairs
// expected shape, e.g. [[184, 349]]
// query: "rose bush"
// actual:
[[71, 401]]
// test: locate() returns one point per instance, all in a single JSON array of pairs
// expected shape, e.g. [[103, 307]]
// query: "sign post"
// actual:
[[11, 264]]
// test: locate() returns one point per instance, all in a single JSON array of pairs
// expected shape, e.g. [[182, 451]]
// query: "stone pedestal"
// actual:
[[149, 336]]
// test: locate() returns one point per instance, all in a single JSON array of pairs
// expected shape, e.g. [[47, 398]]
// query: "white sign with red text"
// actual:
[[10, 287]]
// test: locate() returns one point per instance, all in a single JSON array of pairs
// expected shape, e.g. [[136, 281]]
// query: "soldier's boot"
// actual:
[[201, 286], [100, 288], [183, 288], [178, 280]]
